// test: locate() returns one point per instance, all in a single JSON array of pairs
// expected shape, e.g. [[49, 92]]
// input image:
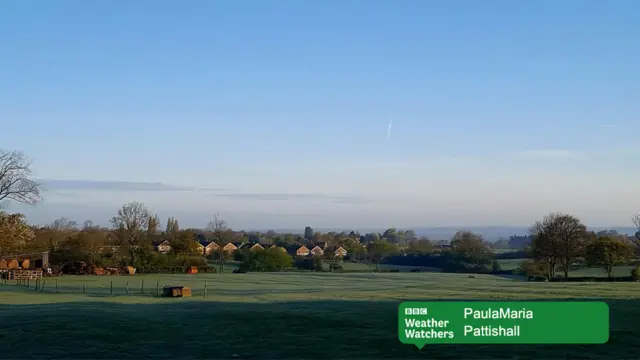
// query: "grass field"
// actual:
[[347, 266], [278, 315], [511, 264]]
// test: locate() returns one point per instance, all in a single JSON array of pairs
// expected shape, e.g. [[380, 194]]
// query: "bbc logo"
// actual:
[[415, 311]]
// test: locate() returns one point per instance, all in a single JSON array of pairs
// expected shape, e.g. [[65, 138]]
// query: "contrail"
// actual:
[[389, 130]]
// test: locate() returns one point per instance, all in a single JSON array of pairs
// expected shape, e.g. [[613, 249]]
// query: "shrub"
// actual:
[[495, 266], [532, 268], [304, 264], [635, 272], [318, 264]]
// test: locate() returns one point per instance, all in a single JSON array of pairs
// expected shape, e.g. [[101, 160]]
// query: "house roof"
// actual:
[[163, 242]]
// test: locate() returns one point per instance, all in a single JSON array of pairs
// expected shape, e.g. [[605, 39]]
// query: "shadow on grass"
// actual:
[[180, 328]]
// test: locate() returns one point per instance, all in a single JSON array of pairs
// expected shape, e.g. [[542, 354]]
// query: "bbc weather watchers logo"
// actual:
[[415, 311]]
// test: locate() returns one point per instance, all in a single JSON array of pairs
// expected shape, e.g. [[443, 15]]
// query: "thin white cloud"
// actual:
[[389, 127], [549, 154]]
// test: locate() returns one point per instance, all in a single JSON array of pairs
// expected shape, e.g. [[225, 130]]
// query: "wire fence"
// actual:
[[132, 287]]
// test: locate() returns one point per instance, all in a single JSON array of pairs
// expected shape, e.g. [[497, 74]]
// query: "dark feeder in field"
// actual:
[[176, 291]]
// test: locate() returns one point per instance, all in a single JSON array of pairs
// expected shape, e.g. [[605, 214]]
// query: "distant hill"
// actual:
[[490, 233]]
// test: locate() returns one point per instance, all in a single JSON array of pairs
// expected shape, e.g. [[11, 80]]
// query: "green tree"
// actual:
[[471, 248], [378, 250], [420, 246], [608, 252], [495, 266], [172, 227], [266, 261], [391, 235], [559, 240], [152, 225], [15, 233], [185, 243], [308, 233], [318, 263]]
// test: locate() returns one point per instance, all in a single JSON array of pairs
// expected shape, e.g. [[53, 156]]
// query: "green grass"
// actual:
[[281, 315], [511, 264]]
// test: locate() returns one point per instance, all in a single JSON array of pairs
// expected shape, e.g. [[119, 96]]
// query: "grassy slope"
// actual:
[[285, 315]]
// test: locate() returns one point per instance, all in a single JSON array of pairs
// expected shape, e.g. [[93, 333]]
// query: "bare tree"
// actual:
[[217, 224], [222, 235], [88, 224], [15, 170], [63, 224], [131, 222]]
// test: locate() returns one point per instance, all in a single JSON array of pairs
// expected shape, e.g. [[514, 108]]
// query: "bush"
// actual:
[[495, 266], [635, 272], [304, 264], [538, 278], [266, 261], [533, 268]]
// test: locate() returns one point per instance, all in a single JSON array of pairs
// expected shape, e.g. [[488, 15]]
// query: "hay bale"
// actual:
[[13, 264], [186, 292], [3, 264], [131, 270], [26, 263], [98, 271]]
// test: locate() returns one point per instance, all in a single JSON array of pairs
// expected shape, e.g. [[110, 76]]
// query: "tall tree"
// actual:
[[308, 233], [558, 240], [15, 182], [636, 237], [131, 222], [172, 227], [222, 235], [152, 225]]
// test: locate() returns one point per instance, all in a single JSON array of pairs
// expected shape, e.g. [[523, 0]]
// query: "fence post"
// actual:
[[56, 285], [205, 289], [157, 287], [126, 285], [37, 283], [28, 283], [111, 287], [84, 287], [42, 287], [142, 287]]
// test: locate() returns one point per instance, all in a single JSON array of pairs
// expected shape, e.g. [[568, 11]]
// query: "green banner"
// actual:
[[510, 322]]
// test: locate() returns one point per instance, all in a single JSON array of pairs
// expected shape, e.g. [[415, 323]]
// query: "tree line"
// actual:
[[557, 243]]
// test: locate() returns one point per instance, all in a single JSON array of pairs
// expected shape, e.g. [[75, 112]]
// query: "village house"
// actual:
[[277, 247], [231, 247], [317, 251], [340, 252], [302, 251], [163, 247], [254, 247], [207, 248]]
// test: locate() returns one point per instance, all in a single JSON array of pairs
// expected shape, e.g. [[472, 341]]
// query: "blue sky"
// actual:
[[502, 111]]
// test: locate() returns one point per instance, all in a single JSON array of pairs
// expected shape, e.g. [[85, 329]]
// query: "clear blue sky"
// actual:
[[502, 110]]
